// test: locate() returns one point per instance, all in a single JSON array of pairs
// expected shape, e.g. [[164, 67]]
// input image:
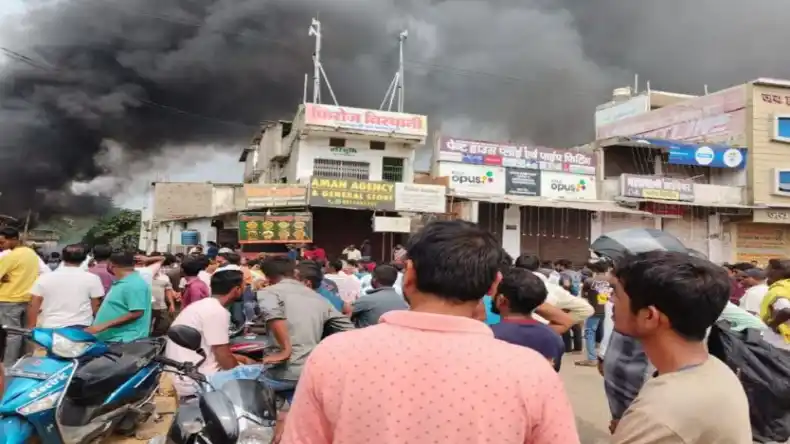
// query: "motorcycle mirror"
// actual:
[[185, 336], [220, 417]]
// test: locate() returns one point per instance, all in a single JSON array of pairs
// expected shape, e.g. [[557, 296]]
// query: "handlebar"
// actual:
[[186, 368]]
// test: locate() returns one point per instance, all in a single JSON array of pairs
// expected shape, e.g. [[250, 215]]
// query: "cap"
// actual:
[[229, 267], [225, 250]]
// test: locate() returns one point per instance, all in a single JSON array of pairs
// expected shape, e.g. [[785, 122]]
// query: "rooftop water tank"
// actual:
[[190, 237], [621, 94]]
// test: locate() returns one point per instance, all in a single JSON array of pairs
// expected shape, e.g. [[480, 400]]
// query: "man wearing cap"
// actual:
[[753, 280]]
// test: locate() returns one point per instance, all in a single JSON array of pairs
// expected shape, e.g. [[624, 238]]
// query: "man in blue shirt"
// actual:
[[518, 295], [125, 313], [310, 273]]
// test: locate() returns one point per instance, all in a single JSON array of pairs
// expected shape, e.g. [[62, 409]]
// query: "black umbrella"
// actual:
[[619, 243]]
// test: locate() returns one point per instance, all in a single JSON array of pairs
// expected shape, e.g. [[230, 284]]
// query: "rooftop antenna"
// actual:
[[636, 84], [396, 86], [706, 89], [318, 68]]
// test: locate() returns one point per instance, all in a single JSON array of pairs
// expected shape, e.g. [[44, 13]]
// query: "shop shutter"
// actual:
[[622, 221], [690, 229], [556, 233]]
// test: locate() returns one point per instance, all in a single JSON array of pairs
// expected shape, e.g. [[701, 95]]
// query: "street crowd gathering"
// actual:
[[451, 341]]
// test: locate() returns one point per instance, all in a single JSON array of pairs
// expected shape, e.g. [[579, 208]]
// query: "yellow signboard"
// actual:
[[352, 193]]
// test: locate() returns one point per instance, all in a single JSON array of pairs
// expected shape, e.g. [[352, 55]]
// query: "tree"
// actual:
[[120, 230]]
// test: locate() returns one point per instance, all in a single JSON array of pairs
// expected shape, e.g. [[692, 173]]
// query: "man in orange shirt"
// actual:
[[432, 373]]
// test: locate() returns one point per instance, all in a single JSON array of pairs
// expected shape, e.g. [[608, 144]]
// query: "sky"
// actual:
[[214, 164]]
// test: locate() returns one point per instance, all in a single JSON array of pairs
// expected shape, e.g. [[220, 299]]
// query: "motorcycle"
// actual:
[[81, 391], [239, 412]]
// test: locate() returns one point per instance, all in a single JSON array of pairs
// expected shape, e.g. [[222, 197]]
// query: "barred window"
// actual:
[[341, 169], [392, 169]]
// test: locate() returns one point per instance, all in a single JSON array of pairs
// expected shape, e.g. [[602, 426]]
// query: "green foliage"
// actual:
[[121, 230]]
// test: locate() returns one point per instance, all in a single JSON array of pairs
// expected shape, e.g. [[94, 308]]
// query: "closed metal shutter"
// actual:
[[622, 221], [556, 233], [691, 229]]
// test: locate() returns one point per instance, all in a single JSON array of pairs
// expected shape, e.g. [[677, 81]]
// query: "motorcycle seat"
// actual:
[[98, 377]]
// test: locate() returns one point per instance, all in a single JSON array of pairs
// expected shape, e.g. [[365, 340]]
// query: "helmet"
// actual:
[[615, 245]]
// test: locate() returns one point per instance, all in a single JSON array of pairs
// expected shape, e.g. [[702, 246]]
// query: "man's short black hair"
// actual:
[[102, 252], [311, 272], [385, 275], [528, 262], [599, 266], [193, 265], [123, 258], [742, 266], [565, 263], [691, 292], [278, 267], [169, 260], [507, 261], [779, 268], [352, 262], [74, 254], [335, 265], [9, 233], [55, 255], [454, 260], [232, 258], [224, 281], [523, 290]]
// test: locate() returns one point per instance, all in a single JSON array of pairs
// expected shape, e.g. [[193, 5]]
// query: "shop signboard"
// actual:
[[352, 193], [344, 118], [275, 195], [567, 186], [707, 155], [719, 117], [613, 112], [478, 179], [275, 228], [771, 216], [522, 182], [510, 155], [420, 198], [659, 188]]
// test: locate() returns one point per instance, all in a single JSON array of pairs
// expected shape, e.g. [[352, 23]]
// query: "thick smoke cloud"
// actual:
[[87, 75]]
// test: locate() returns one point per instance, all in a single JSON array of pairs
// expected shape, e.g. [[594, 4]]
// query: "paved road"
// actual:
[[585, 388]]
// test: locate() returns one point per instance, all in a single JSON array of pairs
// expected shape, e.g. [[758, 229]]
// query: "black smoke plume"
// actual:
[[81, 75]]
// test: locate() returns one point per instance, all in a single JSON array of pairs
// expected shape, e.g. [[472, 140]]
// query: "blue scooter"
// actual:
[[82, 391]]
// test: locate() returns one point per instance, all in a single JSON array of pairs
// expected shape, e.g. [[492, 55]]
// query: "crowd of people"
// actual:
[[419, 349]]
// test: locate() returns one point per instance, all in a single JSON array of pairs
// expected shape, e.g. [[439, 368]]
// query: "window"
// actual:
[[337, 142], [377, 145], [392, 169], [782, 128], [341, 169]]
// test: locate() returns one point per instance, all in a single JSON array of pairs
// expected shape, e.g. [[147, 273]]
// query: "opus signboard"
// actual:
[[474, 178], [567, 186], [660, 188], [509, 155]]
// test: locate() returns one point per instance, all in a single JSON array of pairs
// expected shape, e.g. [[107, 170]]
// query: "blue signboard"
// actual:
[[714, 156]]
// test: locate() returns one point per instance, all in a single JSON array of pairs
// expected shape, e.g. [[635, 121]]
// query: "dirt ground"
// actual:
[[166, 403]]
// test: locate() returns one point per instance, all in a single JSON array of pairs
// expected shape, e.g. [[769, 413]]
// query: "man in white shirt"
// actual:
[[756, 289], [211, 318], [348, 286], [578, 308], [352, 253], [66, 297]]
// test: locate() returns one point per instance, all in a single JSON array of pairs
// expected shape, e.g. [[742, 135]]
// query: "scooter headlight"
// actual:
[[46, 403], [66, 348]]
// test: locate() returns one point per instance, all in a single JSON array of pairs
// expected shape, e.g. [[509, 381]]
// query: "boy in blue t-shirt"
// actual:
[[519, 294]]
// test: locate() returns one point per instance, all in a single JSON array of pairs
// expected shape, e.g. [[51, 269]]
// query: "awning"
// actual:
[[688, 204], [586, 205]]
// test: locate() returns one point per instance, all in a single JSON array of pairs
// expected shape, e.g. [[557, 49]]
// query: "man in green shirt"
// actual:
[[125, 313]]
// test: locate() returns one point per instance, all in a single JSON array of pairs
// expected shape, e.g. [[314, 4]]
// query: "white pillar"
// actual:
[[511, 230]]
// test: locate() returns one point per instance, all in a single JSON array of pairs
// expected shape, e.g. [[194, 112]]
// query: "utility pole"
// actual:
[[315, 31], [401, 40]]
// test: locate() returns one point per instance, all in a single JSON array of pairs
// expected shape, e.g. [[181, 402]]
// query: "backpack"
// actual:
[[764, 372]]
